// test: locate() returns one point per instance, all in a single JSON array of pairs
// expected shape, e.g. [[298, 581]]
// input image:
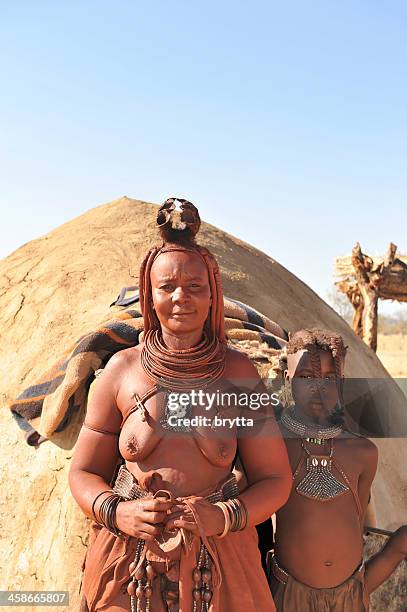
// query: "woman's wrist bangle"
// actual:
[[107, 512], [245, 514], [235, 513], [95, 500], [225, 511]]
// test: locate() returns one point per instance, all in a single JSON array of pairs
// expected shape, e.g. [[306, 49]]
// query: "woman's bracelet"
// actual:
[[95, 500], [225, 511], [107, 512], [235, 513]]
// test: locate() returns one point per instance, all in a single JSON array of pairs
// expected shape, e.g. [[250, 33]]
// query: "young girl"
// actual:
[[318, 558]]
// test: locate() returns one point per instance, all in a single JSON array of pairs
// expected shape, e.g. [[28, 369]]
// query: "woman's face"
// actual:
[[315, 398], [180, 291]]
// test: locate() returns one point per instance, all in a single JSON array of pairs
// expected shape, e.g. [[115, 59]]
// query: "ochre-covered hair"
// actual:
[[313, 339], [178, 222]]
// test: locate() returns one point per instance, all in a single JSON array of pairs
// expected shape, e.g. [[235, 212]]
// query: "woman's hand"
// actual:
[[143, 518], [210, 515]]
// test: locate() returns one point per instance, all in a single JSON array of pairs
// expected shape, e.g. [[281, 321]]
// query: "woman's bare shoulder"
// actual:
[[116, 371], [123, 359]]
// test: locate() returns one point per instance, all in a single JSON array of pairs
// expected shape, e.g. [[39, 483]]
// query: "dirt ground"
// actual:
[[392, 352]]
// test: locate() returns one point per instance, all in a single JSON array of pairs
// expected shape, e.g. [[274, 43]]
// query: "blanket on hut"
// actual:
[[48, 406]]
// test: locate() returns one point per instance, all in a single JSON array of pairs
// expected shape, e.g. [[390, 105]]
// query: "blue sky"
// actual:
[[285, 122]]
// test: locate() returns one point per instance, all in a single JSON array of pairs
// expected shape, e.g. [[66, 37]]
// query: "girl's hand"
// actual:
[[143, 518]]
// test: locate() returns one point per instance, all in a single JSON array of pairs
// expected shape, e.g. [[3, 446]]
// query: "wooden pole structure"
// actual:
[[351, 289], [369, 290], [364, 280]]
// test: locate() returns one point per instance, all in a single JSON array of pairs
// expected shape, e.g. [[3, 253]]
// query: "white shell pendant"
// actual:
[[319, 483]]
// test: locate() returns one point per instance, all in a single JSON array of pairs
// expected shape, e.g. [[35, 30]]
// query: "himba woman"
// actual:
[[173, 532]]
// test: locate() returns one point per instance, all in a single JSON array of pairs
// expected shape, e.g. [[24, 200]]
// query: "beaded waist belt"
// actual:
[[127, 487], [278, 572]]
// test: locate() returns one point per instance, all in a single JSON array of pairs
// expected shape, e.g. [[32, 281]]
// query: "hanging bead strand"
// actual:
[[136, 575], [206, 582]]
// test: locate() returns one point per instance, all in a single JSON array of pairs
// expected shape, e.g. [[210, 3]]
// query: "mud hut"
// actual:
[[53, 290]]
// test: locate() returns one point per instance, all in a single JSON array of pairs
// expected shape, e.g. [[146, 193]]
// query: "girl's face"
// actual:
[[315, 398], [180, 292]]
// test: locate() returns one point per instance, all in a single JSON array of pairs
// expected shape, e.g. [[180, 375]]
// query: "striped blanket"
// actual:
[[48, 406]]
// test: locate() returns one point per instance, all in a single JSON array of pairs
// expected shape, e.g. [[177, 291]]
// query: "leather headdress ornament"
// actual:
[[178, 220]]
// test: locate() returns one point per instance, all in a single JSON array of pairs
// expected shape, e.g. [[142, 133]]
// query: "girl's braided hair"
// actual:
[[314, 339]]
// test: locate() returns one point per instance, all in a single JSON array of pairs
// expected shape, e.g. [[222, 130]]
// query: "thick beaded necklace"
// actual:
[[312, 433], [182, 369]]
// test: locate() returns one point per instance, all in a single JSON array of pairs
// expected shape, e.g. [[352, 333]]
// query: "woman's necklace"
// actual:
[[182, 369]]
